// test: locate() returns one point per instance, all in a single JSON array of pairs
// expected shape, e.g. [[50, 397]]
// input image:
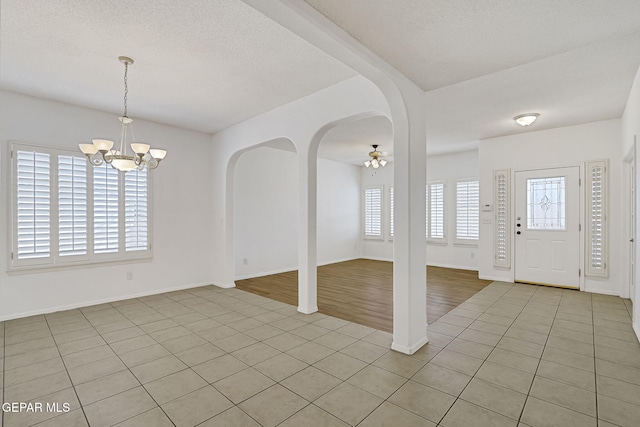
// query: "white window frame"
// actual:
[[429, 210], [465, 241], [364, 214], [55, 261]]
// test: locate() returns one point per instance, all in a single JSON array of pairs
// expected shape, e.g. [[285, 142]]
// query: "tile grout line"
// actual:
[[66, 370], [484, 360], [540, 359], [128, 369]]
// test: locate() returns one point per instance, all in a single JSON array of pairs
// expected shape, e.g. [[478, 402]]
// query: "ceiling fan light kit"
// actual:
[[376, 158]]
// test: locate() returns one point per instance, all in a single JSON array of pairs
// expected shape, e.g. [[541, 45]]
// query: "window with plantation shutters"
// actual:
[[105, 209], [66, 212], [135, 210], [467, 211], [391, 212], [435, 212], [72, 206], [373, 212], [502, 236], [32, 224], [596, 218]]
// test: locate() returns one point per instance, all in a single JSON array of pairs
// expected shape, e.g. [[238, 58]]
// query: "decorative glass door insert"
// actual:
[[546, 204]]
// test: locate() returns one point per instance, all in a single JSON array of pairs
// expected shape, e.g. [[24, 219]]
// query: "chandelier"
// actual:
[[143, 155], [376, 160]]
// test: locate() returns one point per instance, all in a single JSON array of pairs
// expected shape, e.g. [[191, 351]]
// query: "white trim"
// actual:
[[225, 285], [595, 289], [288, 269], [636, 329], [495, 278], [102, 301], [310, 310], [454, 267], [412, 349]]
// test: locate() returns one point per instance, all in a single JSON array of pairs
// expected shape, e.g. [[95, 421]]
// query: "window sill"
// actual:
[[437, 242], [47, 268], [471, 244]]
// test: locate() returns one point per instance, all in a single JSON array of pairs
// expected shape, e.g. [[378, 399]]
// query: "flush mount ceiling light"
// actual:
[[526, 119], [376, 161], [143, 155]]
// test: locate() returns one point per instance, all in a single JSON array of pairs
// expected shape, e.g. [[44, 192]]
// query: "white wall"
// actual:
[[266, 215], [631, 131], [567, 146], [182, 210], [448, 168]]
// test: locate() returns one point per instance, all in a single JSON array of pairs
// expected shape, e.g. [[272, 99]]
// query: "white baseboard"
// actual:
[[375, 258], [636, 329], [456, 267], [596, 290], [225, 285], [495, 279], [409, 350], [100, 301], [288, 269], [308, 310]]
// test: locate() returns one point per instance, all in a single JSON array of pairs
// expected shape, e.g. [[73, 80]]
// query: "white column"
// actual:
[[307, 246], [409, 243]]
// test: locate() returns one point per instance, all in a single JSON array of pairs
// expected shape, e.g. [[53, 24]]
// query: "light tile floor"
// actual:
[[512, 355]]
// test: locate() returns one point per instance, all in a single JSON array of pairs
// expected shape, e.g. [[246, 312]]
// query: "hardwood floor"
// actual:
[[360, 291]]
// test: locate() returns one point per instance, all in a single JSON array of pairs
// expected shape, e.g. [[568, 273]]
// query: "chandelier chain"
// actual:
[[126, 87]]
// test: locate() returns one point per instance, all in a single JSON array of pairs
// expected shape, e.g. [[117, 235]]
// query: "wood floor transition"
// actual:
[[361, 291]]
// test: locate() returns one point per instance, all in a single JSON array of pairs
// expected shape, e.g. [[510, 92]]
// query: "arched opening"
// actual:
[[263, 195]]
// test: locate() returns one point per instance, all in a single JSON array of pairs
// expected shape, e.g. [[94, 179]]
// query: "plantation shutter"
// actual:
[[502, 251], [467, 210], [373, 212], [105, 209], [597, 218], [391, 212], [436, 211], [72, 205], [33, 205], [136, 210]]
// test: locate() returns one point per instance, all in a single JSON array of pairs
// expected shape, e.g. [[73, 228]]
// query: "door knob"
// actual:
[[632, 240], [518, 232]]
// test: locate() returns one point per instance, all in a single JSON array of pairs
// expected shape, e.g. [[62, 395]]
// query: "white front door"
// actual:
[[547, 227]]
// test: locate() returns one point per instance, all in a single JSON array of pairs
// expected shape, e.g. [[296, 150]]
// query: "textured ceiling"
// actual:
[[483, 62], [437, 43], [207, 64], [199, 64]]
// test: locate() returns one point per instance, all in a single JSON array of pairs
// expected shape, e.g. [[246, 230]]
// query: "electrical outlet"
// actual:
[[473, 255], [129, 275], [245, 261]]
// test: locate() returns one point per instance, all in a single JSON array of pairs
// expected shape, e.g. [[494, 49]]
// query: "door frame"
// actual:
[[630, 173], [581, 219]]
